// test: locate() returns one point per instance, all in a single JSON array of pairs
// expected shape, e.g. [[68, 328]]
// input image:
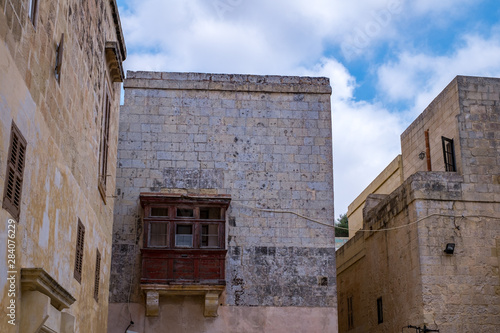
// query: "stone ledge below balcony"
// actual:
[[154, 291], [37, 279]]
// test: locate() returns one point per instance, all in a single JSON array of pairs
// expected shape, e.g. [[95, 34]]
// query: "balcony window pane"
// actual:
[[184, 235], [159, 211], [210, 235], [185, 212], [210, 213], [158, 234]]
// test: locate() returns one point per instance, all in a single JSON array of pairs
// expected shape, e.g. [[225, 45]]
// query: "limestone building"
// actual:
[[428, 252], [60, 68], [224, 208]]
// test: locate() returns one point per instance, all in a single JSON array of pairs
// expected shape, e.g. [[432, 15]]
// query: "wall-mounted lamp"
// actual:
[[421, 155], [450, 248]]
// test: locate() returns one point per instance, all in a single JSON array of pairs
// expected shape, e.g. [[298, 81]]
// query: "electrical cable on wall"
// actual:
[[363, 230]]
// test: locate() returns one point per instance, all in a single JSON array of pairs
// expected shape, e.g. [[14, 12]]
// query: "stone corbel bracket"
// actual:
[[153, 293], [114, 62], [37, 279]]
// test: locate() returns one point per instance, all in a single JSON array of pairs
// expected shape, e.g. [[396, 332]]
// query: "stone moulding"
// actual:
[[38, 279], [225, 82], [118, 28], [154, 291], [114, 62]]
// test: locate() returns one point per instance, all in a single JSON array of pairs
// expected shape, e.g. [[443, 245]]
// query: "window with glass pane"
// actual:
[[158, 234], [185, 212], [209, 235], [159, 211], [184, 235], [449, 154], [209, 213]]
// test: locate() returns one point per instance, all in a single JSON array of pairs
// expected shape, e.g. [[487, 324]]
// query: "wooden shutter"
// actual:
[[103, 149], [97, 275], [80, 239], [15, 171]]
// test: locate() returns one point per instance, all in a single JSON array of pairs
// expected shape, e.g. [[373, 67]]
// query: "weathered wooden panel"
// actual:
[[183, 266]]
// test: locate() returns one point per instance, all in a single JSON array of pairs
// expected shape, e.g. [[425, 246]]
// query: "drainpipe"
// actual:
[[428, 150]]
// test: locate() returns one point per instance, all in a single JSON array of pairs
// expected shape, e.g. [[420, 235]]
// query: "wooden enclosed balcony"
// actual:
[[184, 248]]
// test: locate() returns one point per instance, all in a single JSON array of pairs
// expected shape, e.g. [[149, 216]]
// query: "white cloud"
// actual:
[[261, 34], [366, 136], [290, 38], [418, 78]]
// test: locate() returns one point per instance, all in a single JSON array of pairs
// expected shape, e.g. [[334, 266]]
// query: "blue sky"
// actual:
[[386, 59]]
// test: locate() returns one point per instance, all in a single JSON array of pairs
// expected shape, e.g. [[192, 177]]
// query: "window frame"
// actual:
[[172, 221], [167, 235], [449, 154], [208, 235], [14, 175], [193, 233]]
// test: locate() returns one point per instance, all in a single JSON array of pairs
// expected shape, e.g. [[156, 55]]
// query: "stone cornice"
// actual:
[[118, 28], [38, 279], [114, 61], [228, 82]]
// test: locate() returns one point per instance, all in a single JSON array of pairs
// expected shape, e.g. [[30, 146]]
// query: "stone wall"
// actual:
[[264, 140], [401, 257], [440, 118], [61, 122], [480, 137], [386, 182]]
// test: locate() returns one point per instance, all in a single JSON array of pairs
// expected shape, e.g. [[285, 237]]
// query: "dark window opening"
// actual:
[[159, 211], [80, 239], [210, 213], [97, 275], [59, 57], [380, 312], [15, 171], [449, 154], [350, 316]]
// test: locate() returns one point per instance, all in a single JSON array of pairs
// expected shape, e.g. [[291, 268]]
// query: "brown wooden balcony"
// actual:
[[183, 266]]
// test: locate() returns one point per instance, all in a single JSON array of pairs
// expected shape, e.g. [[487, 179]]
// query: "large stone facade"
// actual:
[[53, 89], [263, 141], [397, 263]]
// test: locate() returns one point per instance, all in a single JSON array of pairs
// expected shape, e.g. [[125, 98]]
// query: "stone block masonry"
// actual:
[[265, 141]]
